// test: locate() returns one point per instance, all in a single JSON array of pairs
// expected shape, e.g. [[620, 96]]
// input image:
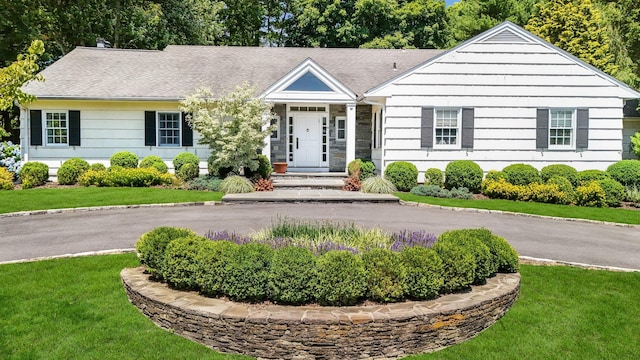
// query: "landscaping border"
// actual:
[[386, 331]]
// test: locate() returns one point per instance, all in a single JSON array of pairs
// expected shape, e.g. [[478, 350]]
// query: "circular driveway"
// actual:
[[25, 237]]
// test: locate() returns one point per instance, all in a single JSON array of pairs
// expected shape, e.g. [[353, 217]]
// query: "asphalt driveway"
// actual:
[[26, 237]]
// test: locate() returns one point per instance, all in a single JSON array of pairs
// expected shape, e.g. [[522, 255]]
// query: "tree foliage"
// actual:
[[234, 125]]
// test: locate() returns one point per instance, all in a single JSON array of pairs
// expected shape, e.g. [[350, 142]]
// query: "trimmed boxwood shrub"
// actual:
[[211, 264], [247, 272], [486, 264], [188, 171], [505, 257], [6, 179], [263, 171], [613, 190], [521, 174], [70, 170], [403, 175], [587, 176], [565, 171], [386, 275], [152, 244], [458, 265], [463, 173], [180, 266], [97, 167], [342, 278], [367, 169], [626, 172], [156, 162], [185, 158], [33, 174], [424, 272], [434, 176], [293, 274], [125, 159]]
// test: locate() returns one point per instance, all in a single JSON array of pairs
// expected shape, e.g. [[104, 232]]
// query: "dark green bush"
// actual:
[[434, 176], [156, 162], [180, 266], [125, 159], [219, 172], [342, 279], [151, 246], [263, 171], [386, 275], [402, 174], [205, 182], [587, 176], [247, 272], [70, 170], [626, 172], [458, 265], [185, 158], [521, 174], [33, 174], [614, 192], [463, 173], [367, 169], [424, 270], [188, 172], [211, 264], [486, 264], [562, 170], [563, 183], [292, 279], [506, 258], [97, 167]]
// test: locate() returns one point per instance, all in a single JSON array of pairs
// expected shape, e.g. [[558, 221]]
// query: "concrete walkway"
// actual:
[[309, 195]]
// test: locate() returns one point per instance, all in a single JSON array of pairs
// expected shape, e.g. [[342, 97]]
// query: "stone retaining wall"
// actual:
[[314, 332]]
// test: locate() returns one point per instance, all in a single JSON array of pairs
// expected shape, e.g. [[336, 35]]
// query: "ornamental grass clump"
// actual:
[[377, 185], [236, 184], [152, 245]]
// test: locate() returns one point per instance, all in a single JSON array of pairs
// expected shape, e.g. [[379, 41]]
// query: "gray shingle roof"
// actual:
[[98, 73]]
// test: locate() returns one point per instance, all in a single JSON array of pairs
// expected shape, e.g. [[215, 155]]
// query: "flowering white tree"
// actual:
[[232, 125]]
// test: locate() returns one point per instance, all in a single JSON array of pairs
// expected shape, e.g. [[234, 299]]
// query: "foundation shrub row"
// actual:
[[301, 271]]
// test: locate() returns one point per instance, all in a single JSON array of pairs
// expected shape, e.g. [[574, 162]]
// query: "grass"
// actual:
[[42, 199], [77, 308], [622, 216]]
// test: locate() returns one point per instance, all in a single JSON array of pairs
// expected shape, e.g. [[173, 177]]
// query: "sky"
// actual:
[[449, 2]]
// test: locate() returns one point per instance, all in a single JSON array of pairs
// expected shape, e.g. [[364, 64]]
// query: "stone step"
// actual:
[[321, 196], [310, 175], [308, 181]]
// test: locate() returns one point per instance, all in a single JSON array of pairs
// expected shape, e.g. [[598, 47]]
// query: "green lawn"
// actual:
[[77, 308], [622, 216], [42, 199]]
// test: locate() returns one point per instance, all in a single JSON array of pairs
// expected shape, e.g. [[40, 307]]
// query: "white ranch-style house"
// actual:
[[503, 97]]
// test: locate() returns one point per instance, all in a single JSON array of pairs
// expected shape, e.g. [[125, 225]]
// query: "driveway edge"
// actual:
[[110, 207]]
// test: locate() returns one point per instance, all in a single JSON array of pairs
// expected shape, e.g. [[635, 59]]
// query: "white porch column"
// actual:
[[24, 134], [266, 149], [351, 134]]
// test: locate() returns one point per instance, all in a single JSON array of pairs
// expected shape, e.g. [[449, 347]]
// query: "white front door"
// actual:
[[307, 140]]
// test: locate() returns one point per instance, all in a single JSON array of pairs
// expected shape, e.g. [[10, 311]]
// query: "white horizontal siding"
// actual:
[[497, 91], [530, 48], [483, 100], [458, 57], [505, 69], [507, 80]]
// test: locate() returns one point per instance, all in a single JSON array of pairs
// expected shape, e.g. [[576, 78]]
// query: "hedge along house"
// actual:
[[504, 96]]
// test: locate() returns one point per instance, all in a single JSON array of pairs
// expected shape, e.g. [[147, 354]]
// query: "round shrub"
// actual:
[[125, 159], [587, 176], [424, 270], [562, 170], [70, 170], [521, 174], [153, 161], [564, 186], [367, 169], [377, 185], [505, 258], [263, 171], [185, 158], [247, 272], [434, 176], [211, 262], [626, 172], [236, 185], [486, 264], [180, 266], [591, 194], [385, 275], [342, 279], [33, 174], [292, 278], [458, 265], [353, 168], [6, 179], [152, 244], [97, 167], [188, 171], [613, 190], [99, 178], [403, 175], [463, 173]]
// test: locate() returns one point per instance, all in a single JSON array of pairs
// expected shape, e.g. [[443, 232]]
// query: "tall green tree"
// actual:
[[623, 26]]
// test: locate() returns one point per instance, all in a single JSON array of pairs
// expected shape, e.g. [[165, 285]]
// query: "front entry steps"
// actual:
[[308, 187]]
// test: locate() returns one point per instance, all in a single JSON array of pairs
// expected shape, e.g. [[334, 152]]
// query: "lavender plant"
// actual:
[[407, 238]]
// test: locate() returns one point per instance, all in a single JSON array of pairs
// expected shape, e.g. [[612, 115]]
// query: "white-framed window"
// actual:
[[275, 134], [341, 128], [169, 129], [447, 128], [56, 127], [562, 124]]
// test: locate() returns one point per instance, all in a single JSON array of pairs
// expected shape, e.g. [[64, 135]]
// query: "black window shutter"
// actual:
[[35, 123], [542, 129], [150, 128], [426, 128], [582, 136], [74, 128], [468, 121], [187, 132]]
